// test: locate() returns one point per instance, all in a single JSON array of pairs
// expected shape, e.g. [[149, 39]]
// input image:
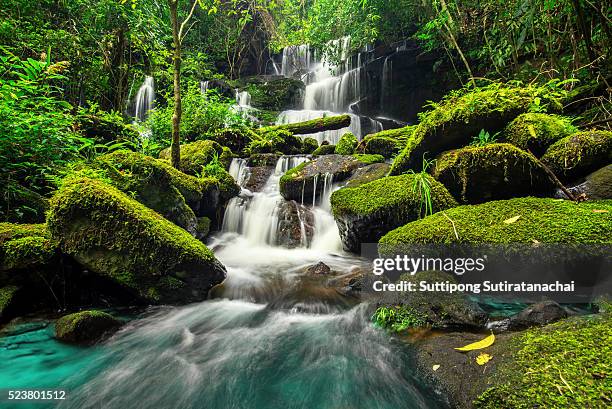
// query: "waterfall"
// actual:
[[243, 99], [239, 171], [297, 59], [386, 82], [204, 86], [144, 99]]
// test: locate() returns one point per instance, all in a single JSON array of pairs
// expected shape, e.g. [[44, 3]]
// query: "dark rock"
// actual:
[[85, 327], [258, 176], [299, 183], [7, 301], [596, 186], [262, 159], [295, 225], [538, 314], [368, 174], [319, 269], [272, 92]]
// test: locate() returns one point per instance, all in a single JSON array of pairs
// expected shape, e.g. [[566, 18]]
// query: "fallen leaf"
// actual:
[[435, 367], [599, 211], [512, 219], [483, 343], [483, 358]]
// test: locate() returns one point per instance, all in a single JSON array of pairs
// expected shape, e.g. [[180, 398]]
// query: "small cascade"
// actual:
[[386, 82], [204, 87], [297, 60], [239, 171], [243, 99], [144, 99]]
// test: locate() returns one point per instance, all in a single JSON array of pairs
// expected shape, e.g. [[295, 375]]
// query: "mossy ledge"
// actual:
[[122, 240], [25, 246], [328, 123], [85, 327], [367, 212], [477, 174], [542, 220], [461, 115]]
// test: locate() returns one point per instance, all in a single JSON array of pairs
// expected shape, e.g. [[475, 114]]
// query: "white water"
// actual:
[[386, 82], [331, 88], [204, 87], [145, 99]]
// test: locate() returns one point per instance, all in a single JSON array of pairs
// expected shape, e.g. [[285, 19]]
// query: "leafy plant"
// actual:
[[422, 186], [484, 138], [398, 318]]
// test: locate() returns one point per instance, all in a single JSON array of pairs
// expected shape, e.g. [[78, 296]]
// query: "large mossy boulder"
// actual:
[[324, 150], [346, 145], [454, 121], [130, 245], [309, 145], [381, 145], [535, 132], [85, 327], [595, 186], [578, 154], [312, 178], [477, 174], [24, 246], [367, 212], [195, 155], [368, 174], [521, 220]]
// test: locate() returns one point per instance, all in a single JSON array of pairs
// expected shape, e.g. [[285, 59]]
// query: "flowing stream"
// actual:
[[270, 337]]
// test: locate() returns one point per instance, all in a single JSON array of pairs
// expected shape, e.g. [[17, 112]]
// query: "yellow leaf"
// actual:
[[483, 358], [435, 367], [512, 219], [483, 343], [599, 211]]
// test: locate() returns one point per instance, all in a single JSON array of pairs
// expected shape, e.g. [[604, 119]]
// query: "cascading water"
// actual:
[[204, 87], [145, 99], [331, 88], [386, 82]]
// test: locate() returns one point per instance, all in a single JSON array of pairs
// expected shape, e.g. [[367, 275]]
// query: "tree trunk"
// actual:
[[586, 36], [176, 116], [329, 123]]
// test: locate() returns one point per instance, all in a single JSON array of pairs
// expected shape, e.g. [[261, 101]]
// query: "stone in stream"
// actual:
[[477, 174], [596, 186], [318, 269], [85, 327], [312, 178], [295, 225], [271, 92], [457, 119], [130, 245], [535, 132], [578, 154], [541, 313], [324, 149], [367, 212]]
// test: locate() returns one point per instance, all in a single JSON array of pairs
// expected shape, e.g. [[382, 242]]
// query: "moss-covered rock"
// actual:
[[368, 174], [477, 174], [365, 213], [22, 205], [595, 186], [195, 155], [368, 159], [7, 297], [225, 159], [310, 145], [561, 365], [381, 145], [578, 154], [131, 245], [324, 150], [326, 123], [228, 187], [272, 93], [541, 220], [536, 132], [236, 139], [105, 127], [276, 141], [262, 159], [461, 115], [346, 145], [309, 179], [203, 227], [85, 327], [24, 246]]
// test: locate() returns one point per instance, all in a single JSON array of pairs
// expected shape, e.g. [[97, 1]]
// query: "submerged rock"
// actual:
[[535, 132], [312, 178], [458, 118], [477, 174], [596, 186], [579, 154], [295, 225], [85, 327], [532, 219], [131, 245], [367, 212]]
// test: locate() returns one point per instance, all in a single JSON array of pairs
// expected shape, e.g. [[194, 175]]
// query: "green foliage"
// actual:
[[347, 144], [272, 141], [324, 150], [421, 185], [484, 138], [398, 318]]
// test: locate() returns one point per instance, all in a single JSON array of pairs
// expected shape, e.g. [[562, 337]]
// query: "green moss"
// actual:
[[84, 326], [293, 173], [398, 318], [310, 145], [195, 155], [543, 220], [347, 144], [236, 139], [579, 154], [382, 145], [399, 136], [273, 141], [203, 226], [369, 159], [6, 297], [563, 365], [25, 246], [461, 114], [226, 157], [324, 150], [116, 236], [313, 126], [536, 132], [227, 185], [392, 193], [476, 174]]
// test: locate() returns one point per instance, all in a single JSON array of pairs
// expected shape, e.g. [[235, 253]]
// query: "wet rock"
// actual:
[[130, 245], [262, 159], [366, 213], [477, 174], [318, 269], [367, 174], [7, 301], [537, 314], [85, 327], [299, 183], [236, 139], [596, 186], [310, 145], [295, 225], [258, 176]]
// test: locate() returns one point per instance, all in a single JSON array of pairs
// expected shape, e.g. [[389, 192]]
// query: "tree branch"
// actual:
[[184, 23]]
